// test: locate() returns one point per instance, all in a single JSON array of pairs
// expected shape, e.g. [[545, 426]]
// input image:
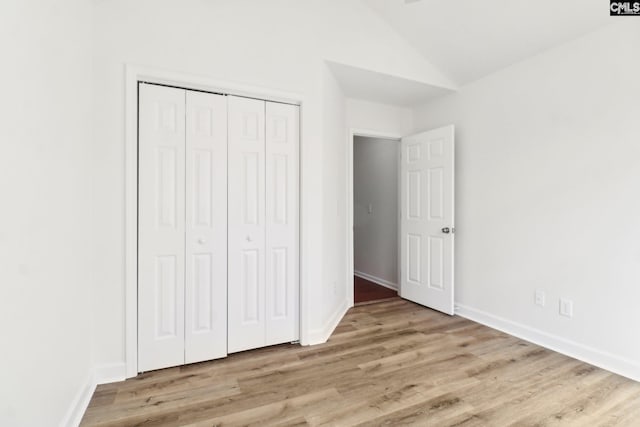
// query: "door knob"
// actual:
[[202, 241], [446, 230], [249, 238]]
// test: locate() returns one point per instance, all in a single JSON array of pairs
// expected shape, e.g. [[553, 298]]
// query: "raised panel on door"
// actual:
[[206, 227], [246, 219], [427, 200], [161, 245], [282, 278]]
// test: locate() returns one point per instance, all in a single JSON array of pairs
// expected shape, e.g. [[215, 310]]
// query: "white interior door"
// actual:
[[161, 227], [263, 223], [182, 252], [427, 219], [218, 225], [206, 227], [246, 247], [282, 141]]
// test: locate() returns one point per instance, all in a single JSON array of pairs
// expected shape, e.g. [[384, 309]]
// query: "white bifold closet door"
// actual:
[[263, 223], [182, 227]]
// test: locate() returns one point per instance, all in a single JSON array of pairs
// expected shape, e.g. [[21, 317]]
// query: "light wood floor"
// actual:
[[390, 363]]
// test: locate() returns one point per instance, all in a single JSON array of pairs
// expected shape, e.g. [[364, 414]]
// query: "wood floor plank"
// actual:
[[163, 402], [387, 363], [424, 413], [284, 412]]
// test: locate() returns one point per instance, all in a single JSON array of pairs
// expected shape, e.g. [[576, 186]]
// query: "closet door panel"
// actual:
[[206, 227], [246, 232], [161, 228], [282, 277]]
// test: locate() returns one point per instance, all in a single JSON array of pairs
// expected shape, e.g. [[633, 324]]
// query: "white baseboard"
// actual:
[[79, 404], [376, 280], [621, 366], [319, 336], [102, 374]]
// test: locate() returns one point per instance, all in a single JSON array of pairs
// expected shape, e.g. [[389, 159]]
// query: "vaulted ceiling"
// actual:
[[469, 39]]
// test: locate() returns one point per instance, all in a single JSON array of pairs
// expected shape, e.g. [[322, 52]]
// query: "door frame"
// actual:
[[133, 75], [353, 132]]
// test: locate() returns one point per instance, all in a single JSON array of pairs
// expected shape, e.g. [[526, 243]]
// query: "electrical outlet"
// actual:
[[540, 298], [566, 307]]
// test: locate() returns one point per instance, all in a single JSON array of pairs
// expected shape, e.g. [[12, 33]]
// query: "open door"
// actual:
[[426, 218]]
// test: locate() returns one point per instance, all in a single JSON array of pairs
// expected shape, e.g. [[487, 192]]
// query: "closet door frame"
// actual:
[[134, 75]]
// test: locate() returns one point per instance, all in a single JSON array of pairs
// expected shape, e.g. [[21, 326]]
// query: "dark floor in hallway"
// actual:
[[365, 291]]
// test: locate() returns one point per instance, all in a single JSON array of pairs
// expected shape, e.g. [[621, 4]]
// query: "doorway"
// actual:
[[375, 218], [424, 208]]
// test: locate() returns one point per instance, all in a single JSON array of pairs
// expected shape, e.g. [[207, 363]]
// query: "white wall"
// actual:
[[547, 195], [374, 117], [334, 296], [235, 40], [375, 185], [45, 218]]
